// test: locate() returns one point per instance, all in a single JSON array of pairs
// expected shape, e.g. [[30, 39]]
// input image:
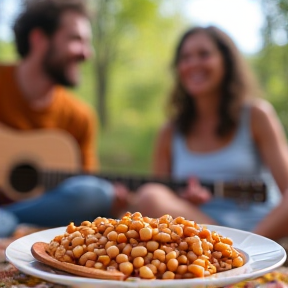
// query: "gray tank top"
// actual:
[[237, 160]]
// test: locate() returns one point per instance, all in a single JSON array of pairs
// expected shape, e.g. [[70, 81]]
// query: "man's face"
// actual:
[[70, 45]]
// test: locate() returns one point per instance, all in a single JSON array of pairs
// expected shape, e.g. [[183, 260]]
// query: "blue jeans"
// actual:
[[77, 199]]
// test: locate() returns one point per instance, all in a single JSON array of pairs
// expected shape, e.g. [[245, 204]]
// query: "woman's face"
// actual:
[[200, 66]]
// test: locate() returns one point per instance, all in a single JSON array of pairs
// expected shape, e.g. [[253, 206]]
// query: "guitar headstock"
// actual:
[[242, 190]]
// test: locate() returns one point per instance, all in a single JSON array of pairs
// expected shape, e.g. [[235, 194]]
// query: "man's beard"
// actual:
[[55, 69]]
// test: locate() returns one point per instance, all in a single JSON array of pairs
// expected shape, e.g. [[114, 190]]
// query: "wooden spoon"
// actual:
[[38, 251]]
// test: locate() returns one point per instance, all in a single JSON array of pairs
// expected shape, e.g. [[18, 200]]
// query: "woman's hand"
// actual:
[[195, 193]]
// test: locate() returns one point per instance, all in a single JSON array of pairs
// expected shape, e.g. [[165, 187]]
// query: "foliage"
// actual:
[[276, 24], [272, 72], [270, 63], [7, 52]]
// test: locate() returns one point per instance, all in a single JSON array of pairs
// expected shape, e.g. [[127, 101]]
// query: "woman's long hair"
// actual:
[[238, 85]]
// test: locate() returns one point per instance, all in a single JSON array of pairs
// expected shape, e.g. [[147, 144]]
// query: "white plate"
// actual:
[[263, 255]]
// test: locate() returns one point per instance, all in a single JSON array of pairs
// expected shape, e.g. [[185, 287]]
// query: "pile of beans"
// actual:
[[149, 248]]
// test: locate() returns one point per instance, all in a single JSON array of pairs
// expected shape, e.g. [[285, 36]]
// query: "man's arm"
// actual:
[[88, 143]]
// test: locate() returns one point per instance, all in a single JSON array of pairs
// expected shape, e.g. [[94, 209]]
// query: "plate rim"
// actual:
[[65, 279]]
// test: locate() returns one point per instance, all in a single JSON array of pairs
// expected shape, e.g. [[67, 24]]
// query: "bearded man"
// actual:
[[52, 38]]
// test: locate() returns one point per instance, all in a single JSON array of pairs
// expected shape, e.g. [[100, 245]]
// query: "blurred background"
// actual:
[[128, 80]]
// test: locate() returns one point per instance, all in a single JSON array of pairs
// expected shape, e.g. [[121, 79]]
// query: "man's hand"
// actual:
[[195, 193]]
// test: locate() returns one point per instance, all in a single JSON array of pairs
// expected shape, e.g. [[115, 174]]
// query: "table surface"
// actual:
[[10, 277]]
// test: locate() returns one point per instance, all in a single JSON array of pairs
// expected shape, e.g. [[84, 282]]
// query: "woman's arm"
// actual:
[[271, 142], [275, 226], [194, 192]]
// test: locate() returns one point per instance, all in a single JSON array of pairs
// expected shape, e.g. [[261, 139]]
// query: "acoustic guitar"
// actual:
[[33, 162]]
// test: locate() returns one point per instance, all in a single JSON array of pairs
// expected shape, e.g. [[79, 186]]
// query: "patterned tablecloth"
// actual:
[[10, 277]]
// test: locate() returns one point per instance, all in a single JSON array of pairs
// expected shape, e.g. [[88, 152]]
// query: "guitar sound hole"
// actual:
[[24, 178]]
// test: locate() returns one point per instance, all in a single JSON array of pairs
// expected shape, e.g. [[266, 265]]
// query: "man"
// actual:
[[52, 38]]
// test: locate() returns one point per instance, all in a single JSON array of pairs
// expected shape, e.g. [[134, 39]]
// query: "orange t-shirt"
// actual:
[[65, 113]]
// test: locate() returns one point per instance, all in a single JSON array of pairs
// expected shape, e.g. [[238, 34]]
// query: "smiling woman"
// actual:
[[217, 130]]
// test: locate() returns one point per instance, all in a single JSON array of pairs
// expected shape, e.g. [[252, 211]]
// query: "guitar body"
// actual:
[[38, 150]]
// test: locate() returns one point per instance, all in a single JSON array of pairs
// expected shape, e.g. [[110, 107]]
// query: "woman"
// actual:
[[218, 130]]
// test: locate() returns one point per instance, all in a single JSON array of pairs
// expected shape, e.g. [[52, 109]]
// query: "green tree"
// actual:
[[271, 61], [116, 24], [276, 20]]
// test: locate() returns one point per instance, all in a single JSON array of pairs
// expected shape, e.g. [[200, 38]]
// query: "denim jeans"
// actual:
[[77, 199], [8, 223]]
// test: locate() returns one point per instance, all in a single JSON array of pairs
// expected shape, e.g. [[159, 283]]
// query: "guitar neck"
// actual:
[[134, 182], [242, 190], [26, 180]]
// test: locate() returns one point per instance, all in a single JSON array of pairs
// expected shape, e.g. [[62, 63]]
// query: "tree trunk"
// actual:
[[101, 79]]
